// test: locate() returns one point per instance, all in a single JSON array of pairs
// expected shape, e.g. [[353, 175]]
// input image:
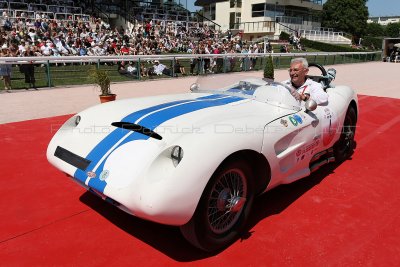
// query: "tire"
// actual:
[[344, 147], [215, 224]]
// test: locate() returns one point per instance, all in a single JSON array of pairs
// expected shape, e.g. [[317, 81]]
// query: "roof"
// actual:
[[207, 2]]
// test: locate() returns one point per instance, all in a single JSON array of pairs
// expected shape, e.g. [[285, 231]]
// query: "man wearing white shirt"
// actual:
[[304, 86], [158, 67], [21, 47]]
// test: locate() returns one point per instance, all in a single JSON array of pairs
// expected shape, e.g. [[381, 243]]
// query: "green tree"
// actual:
[[269, 69], [375, 29], [349, 16], [393, 30]]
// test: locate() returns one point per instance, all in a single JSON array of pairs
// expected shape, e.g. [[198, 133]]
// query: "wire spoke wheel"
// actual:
[[345, 146], [223, 209], [226, 201]]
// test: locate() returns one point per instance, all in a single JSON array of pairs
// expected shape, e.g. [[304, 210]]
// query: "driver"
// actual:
[[305, 88]]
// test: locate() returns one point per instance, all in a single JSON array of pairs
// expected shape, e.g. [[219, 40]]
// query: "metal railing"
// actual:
[[323, 35], [73, 70], [256, 26]]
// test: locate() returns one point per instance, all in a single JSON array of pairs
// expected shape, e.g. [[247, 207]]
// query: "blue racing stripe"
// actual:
[[117, 134], [245, 92], [151, 122], [212, 96], [110, 140]]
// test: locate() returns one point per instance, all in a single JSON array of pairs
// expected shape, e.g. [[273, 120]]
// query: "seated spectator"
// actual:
[[73, 50], [132, 70], [178, 68], [83, 50], [121, 67], [143, 70], [61, 47], [127, 69], [99, 50], [124, 50], [160, 69], [284, 49], [46, 48]]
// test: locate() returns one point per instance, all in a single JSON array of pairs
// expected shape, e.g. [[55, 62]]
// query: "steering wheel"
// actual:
[[323, 78]]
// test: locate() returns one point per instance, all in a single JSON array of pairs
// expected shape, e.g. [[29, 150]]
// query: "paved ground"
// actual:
[[373, 78]]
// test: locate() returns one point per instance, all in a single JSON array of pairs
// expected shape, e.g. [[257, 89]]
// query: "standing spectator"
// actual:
[[253, 50], [194, 62], [29, 69], [245, 65], [207, 60], [229, 35], [6, 69], [147, 29]]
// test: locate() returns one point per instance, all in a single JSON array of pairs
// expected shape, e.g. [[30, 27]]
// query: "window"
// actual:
[[209, 11], [238, 17], [267, 10], [235, 3], [257, 10], [212, 12]]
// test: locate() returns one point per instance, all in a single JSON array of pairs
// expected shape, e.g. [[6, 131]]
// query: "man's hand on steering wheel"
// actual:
[[305, 97]]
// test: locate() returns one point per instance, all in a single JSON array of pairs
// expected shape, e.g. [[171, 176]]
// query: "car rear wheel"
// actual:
[[345, 146], [223, 208]]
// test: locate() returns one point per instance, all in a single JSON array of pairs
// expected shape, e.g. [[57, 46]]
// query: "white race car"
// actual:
[[197, 160]]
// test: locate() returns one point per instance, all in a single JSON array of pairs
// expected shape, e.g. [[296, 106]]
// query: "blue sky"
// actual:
[[383, 8], [375, 7]]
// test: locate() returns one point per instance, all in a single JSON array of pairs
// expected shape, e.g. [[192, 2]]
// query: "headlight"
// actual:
[[176, 155], [77, 120]]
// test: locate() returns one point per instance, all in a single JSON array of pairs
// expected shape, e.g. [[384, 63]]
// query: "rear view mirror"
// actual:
[[194, 87], [310, 105]]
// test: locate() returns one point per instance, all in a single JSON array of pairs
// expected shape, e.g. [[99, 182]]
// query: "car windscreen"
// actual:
[[247, 87]]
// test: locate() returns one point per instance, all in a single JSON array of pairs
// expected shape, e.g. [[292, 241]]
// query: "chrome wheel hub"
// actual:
[[226, 202]]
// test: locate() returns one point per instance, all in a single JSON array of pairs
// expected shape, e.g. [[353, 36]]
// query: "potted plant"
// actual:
[[269, 69], [103, 81]]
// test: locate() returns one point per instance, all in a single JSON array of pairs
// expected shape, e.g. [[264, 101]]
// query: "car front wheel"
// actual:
[[223, 208]]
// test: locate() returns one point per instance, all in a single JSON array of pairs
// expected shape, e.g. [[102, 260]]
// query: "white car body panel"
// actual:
[[137, 172]]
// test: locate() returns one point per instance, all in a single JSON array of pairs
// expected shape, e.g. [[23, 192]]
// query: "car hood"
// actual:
[[155, 123]]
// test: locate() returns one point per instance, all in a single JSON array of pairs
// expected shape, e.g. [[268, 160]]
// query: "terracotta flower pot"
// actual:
[[107, 98]]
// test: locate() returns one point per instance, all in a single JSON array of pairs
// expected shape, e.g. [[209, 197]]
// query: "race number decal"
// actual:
[[329, 126]]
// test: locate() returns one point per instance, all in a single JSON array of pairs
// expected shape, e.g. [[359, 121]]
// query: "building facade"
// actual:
[[384, 20], [259, 18]]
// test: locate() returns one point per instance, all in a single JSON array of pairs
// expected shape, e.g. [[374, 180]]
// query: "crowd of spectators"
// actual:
[[44, 35], [51, 37]]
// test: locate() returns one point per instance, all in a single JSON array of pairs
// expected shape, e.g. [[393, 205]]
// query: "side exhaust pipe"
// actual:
[[315, 166]]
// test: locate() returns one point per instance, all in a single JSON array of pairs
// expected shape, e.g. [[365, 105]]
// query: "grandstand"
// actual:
[[55, 28], [67, 10]]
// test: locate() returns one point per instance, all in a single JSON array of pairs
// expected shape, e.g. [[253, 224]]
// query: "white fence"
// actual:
[[66, 70]]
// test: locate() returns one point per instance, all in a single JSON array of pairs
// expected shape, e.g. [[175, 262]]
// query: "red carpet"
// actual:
[[343, 215]]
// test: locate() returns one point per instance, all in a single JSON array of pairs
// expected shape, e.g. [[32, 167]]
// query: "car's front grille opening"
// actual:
[[71, 158]]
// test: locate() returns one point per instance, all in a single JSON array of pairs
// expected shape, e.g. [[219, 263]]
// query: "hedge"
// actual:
[[327, 47]]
